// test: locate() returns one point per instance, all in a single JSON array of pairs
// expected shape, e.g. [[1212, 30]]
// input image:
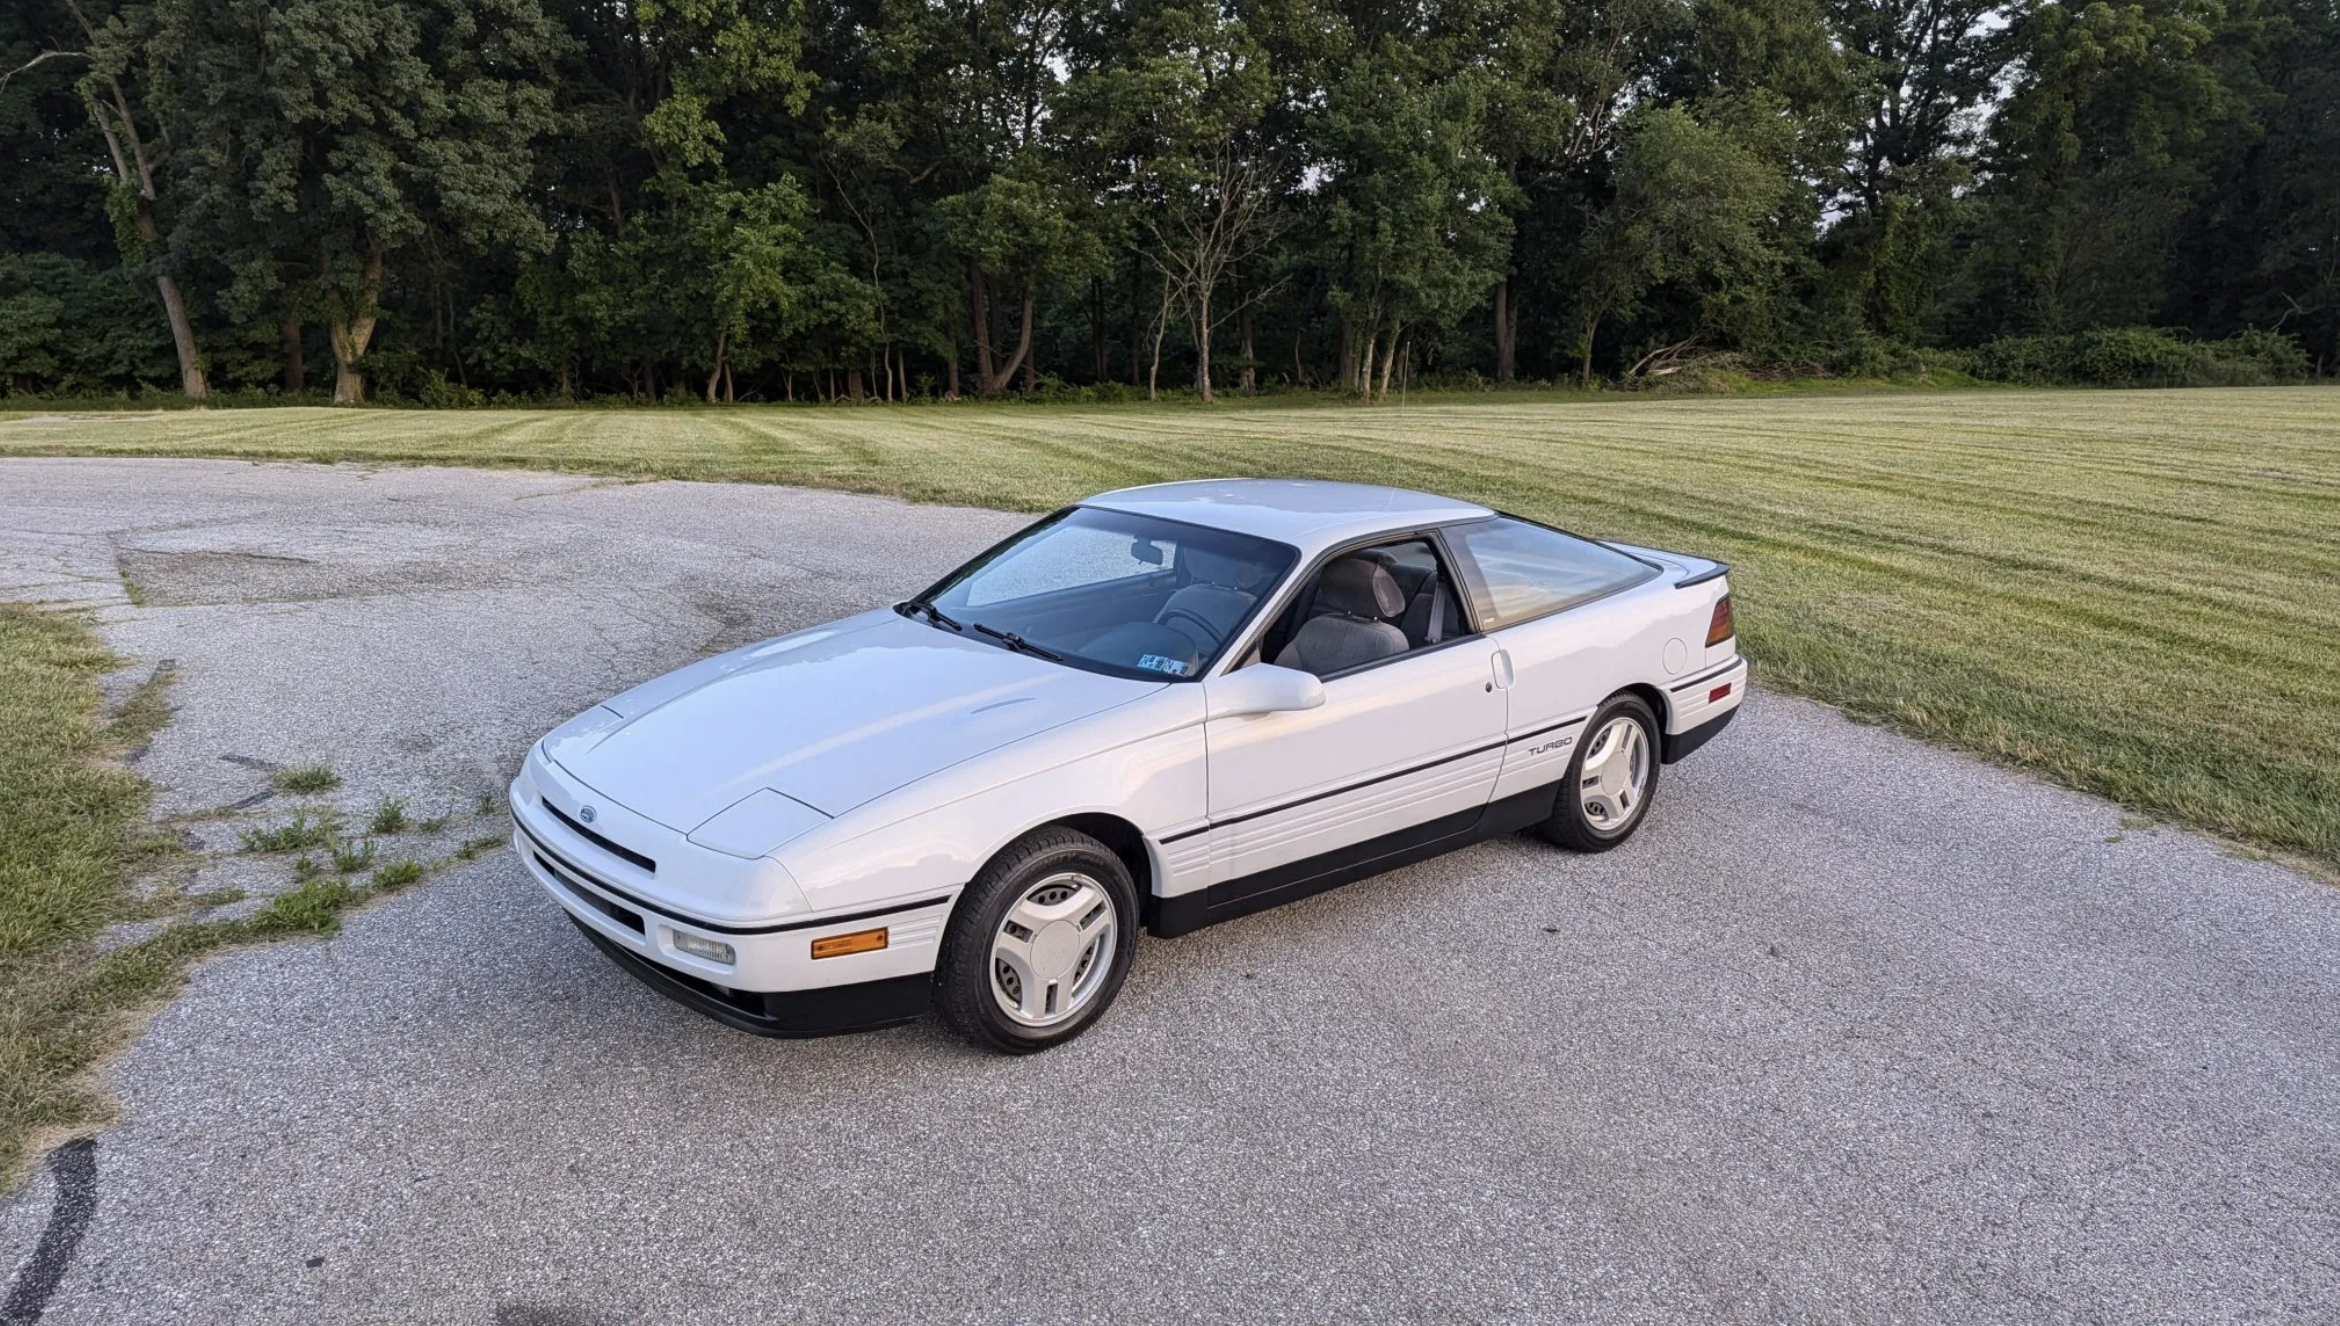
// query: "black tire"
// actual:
[[964, 977], [1570, 826]]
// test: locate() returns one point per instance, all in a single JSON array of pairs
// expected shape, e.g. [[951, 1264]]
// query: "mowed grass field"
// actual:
[[2132, 593]]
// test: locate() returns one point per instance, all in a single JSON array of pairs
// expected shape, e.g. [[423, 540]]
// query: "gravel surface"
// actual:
[[1855, 1030]]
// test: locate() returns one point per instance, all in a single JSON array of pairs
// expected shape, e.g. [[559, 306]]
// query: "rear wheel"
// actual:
[[1039, 945], [1611, 781]]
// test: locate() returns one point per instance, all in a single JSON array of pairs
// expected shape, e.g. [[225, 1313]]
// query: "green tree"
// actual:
[[108, 47], [1692, 202], [1176, 122], [323, 136], [1410, 206], [2096, 162]]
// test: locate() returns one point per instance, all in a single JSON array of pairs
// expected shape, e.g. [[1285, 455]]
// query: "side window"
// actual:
[[1366, 606], [1527, 570]]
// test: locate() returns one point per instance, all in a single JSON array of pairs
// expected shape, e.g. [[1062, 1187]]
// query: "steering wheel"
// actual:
[[1210, 630]]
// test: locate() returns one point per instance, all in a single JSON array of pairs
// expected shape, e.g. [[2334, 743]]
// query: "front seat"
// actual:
[[1208, 610], [1356, 598]]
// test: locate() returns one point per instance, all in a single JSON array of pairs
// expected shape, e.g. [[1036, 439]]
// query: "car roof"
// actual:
[[1310, 514]]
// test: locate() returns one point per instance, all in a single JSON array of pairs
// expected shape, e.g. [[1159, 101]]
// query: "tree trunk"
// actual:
[[1348, 353], [951, 378], [986, 381], [296, 374], [728, 396], [1592, 324], [1250, 366], [995, 383], [354, 333], [715, 375], [1506, 332], [1388, 358], [1161, 327], [1202, 342], [853, 384], [1136, 335], [142, 192], [1097, 327], [1363, 374]]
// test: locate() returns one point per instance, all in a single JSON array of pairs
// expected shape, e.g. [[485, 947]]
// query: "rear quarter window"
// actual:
[[1520, 571]]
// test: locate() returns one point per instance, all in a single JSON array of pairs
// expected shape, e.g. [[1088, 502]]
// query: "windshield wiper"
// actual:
[[1020, 644], [933, 614]]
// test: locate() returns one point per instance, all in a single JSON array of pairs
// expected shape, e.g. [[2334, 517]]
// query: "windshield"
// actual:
[[1111, 591]]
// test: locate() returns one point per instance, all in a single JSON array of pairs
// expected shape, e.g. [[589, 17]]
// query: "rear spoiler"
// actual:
[[1694, 570]]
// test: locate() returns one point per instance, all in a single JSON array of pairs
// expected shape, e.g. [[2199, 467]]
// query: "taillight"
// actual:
[[1720, 629]]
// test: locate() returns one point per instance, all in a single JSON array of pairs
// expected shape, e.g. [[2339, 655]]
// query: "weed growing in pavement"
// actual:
[[350, 857], [73, 839], [479, 847], [486, 804], [306, 779], [389, 817], [300, 832], [398, 874], [432, 825]]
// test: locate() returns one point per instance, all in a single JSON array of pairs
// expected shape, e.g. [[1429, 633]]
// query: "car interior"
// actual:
[[1146, 603], [1364, 607]]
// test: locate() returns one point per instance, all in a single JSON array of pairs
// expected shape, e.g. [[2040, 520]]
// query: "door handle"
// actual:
[[1501, 663]]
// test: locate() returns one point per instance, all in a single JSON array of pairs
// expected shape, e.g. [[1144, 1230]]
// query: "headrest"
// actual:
[[1361, 589], [1209, 568]]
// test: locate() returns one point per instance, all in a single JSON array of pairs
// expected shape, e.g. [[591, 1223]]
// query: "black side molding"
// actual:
[[790, 1014], [1188, 912], [1715, 572], [1678, 744]]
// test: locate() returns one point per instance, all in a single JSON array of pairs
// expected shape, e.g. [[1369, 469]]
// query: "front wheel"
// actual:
[[1611, 781], [1039, 944]]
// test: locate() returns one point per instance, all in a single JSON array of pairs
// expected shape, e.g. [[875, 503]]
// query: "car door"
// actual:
[[1404, 750]]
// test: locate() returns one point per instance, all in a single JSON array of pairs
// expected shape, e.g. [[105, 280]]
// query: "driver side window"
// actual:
[[1366, 607]]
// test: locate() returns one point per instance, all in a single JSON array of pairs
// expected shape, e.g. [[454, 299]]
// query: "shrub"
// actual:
[[2141, 357]]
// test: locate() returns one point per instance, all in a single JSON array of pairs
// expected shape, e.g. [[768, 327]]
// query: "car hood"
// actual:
[[831, 717]]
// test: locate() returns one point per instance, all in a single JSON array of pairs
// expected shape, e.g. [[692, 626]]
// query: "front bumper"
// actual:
[[826, 1011], [773, 984]]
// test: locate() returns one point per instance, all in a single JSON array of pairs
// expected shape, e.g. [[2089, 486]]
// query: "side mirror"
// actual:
[[1262, 688]]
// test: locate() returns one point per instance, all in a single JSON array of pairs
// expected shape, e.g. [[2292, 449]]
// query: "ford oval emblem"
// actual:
[[585, 813]]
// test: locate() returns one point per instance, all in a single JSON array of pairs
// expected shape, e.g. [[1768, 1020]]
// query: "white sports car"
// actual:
[[1163, 707]]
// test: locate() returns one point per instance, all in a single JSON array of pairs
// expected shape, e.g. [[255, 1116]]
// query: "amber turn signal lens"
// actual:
[[1720, 628], [860, 941]]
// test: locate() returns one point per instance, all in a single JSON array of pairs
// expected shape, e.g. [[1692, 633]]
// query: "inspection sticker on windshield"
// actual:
[[1157, 663]]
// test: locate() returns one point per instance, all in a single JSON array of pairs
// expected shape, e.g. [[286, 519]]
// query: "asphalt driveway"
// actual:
[[1856, 1030]]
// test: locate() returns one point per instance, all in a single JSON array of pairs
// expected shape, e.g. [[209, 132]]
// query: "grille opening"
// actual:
[[621, 853], [625, 916]]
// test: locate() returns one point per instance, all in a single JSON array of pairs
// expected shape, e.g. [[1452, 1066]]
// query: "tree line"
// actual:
[[447, 200]]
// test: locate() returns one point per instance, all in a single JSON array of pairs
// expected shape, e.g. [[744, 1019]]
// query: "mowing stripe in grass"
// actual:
[[2128, 592]]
